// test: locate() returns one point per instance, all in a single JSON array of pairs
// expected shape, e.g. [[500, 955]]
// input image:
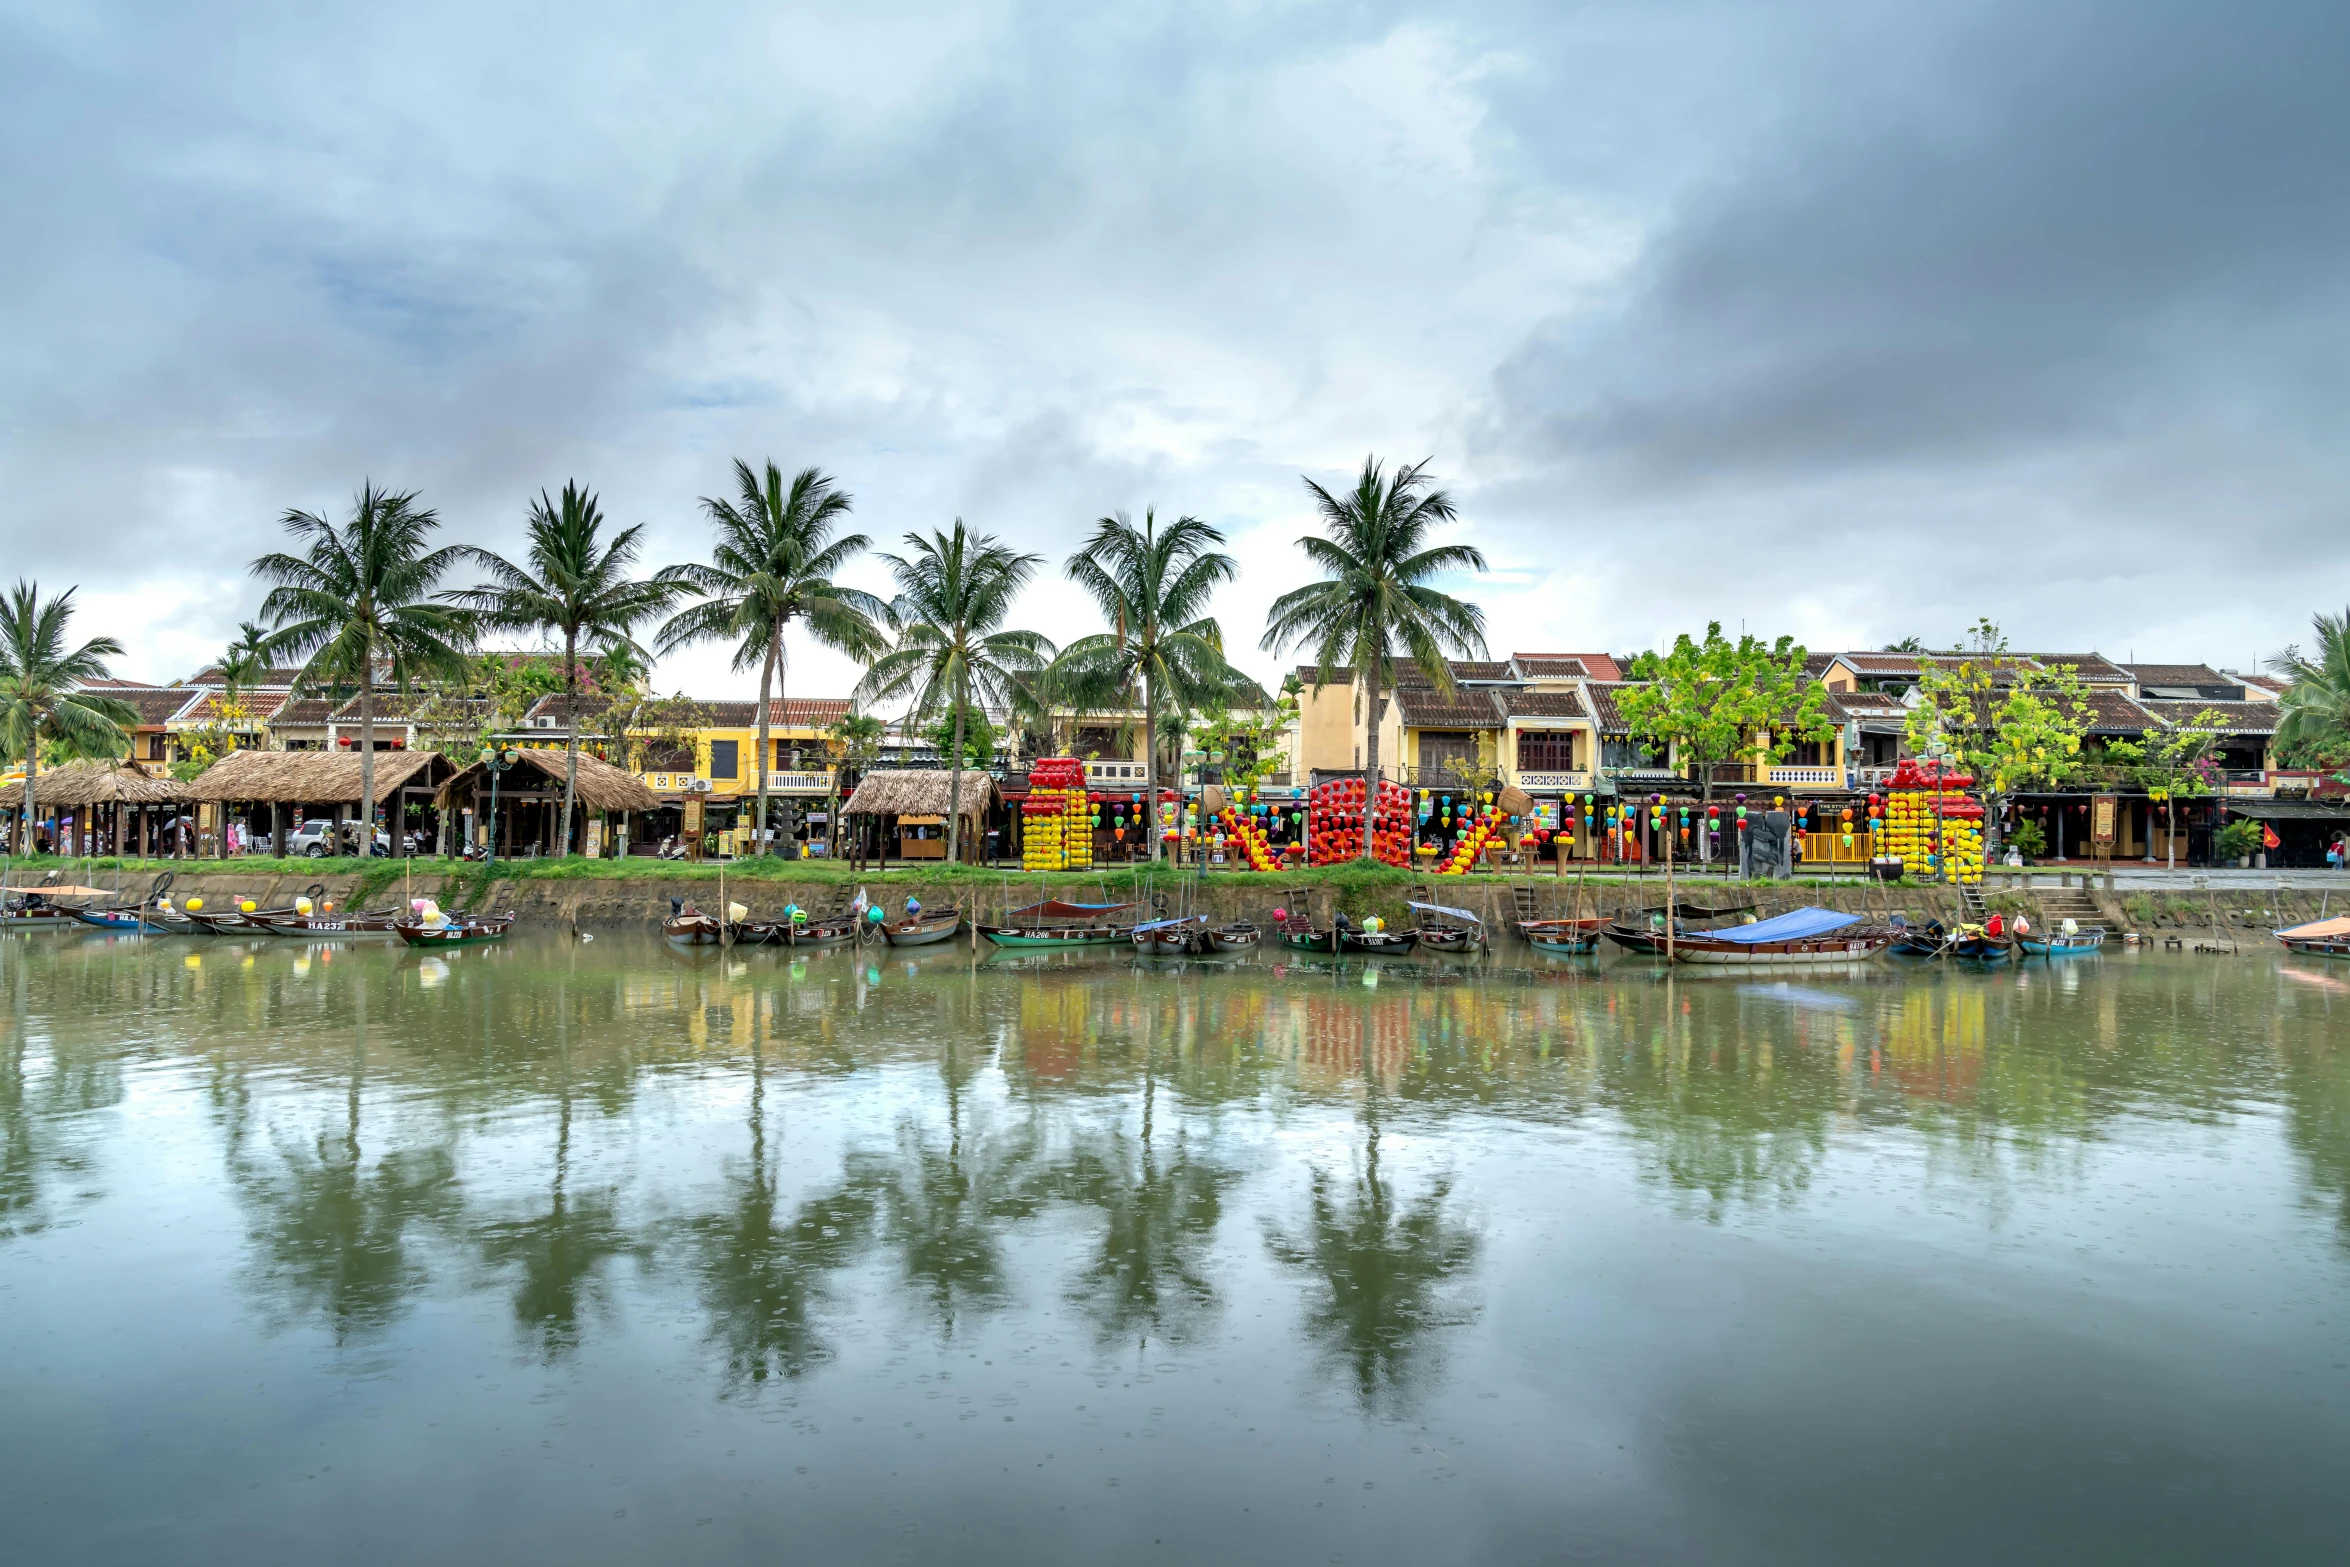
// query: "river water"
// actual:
[[585, 1253]]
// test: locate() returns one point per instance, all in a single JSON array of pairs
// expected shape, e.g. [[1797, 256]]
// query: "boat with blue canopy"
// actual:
[[1812, 936]]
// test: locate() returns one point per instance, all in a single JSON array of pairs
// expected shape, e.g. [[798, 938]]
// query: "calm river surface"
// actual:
[[597, 1253]]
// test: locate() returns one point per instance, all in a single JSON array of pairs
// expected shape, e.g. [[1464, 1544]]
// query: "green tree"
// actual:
[[2168, 764], [980, 737], [1375, 602], [1717, 700], [1153, 587], [43, 690], [359, 601], [774, 564], [1248, 744], [2013, 723], [575, 585], [2314, 729], [854, 744], [955, 591]]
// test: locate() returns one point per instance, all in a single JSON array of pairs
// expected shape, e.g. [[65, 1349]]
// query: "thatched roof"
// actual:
[[920, 791], [602, 787], [74, 785], [309, 777]]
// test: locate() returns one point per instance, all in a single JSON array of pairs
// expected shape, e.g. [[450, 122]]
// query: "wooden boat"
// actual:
[[1975, 947], [819, 933], [36, 908], [2062, 944], [236, 922], [1587, 925], [329, 926], [1302, 937], [1054, 924], [754, 933], [923, 930], [1378, 943], [1565, 943], [1636, 938], [1804, 937], [1239, 936], [458, 931], [690, 927], [136, 920], [2318, 939], [1921, 941], [1446, 929], [1169, 938]]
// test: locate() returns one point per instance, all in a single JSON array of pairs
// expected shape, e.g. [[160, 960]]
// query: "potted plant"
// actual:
[[2028, 840], [2236, 843]]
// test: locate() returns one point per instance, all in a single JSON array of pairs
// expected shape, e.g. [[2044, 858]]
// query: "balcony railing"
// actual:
[[1548, 783], [1808, 777], [817, 782]]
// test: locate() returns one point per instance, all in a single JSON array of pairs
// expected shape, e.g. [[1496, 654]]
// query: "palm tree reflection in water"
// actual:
[[331, 1234], [1381, 1274], [763, 1280], [561, 1253]]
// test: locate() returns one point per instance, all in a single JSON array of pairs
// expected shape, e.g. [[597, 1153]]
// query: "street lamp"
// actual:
[[496, 761]]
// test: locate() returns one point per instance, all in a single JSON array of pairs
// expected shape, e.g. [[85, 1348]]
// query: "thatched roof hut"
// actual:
[[918, 791], [602, 787], [312, 777], [75, 786]]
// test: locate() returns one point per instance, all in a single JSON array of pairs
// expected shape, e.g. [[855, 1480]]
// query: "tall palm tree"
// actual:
[[244, 664], [575, 585], [1153, 589], [773, 564], [954, 591], [1374, 603], [359, 599], [2316, 706], [41, 688]]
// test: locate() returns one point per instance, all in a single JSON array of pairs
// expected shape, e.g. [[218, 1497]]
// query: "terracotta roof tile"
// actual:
[[1596, 666], [1545, 704], [1422, 709], [1603, 695], [2236, 718]]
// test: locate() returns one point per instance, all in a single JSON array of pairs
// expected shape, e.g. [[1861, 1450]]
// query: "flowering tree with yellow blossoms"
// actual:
[[2013, 723]]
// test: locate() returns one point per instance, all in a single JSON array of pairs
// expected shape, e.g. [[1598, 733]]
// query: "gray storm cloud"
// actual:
[[1702, 312]]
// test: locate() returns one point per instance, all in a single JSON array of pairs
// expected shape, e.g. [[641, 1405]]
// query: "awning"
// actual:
[[1438, 908], [2289, 810], [2338, 926], [1188, 919], [1787, 927], [1055, 908]]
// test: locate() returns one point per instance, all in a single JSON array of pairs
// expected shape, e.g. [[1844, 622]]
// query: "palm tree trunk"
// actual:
[[32, 782], [571, 726], [955, 778], [366, 764], [1371, 758], [1150, 761], [766, 683]]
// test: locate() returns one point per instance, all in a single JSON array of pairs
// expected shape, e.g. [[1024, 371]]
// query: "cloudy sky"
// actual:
[[1846, 320]]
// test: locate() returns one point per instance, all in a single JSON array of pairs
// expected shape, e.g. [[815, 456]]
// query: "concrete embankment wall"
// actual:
[[639, 901], [616, 902]]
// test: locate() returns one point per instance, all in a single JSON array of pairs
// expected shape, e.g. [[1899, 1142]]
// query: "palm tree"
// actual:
[[360, 599], [954, 590], [2316, 706], [1374, 602], [245, 662], [1153, 589], [773, 564], [576, 585], [41, 688]]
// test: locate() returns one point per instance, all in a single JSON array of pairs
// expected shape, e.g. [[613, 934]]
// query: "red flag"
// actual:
[[2268, 836]]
